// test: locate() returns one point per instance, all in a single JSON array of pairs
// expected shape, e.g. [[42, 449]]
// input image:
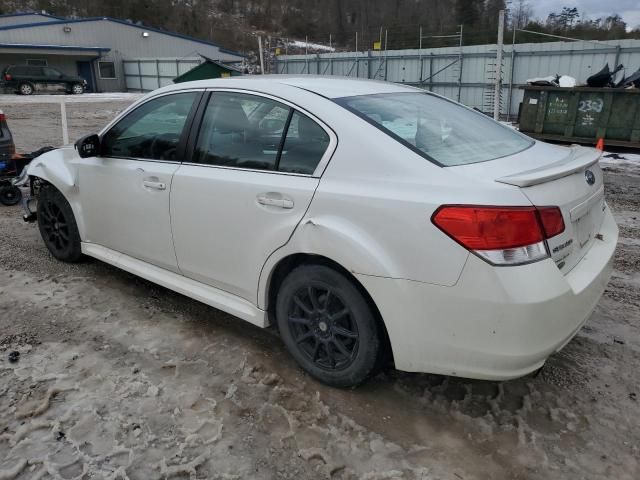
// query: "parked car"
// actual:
[[7, 147], [27, 79], [358, 217], [9, 195]]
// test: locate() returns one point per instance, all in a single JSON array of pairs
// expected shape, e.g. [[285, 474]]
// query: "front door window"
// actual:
[[152, 131]]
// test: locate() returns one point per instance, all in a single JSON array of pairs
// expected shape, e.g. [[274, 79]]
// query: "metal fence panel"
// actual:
[[147, 74], [468, 73]]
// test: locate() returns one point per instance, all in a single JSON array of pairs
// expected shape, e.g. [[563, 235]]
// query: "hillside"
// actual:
[[235, 23]]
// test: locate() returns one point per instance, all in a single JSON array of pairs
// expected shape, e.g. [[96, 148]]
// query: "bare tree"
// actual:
[[521, 13]]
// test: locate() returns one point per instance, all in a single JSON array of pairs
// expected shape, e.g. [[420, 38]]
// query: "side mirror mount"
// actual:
[[88, 146]]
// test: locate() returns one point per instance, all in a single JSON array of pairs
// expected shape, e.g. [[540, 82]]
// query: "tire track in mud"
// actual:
[[132, 382]]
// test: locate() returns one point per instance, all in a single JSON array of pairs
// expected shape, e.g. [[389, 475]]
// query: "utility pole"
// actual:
[[498, 86], [261, 55]]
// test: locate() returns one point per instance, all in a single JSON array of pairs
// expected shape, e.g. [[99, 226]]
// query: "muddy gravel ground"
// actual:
[[117, 378]]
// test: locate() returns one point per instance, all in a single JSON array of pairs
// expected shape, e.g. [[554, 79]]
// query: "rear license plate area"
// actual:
[[587, 225]]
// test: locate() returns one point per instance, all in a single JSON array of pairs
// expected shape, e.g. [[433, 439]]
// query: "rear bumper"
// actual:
[[496, 323]]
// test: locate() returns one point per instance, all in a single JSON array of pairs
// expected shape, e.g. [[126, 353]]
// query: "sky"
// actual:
[[628, 9]]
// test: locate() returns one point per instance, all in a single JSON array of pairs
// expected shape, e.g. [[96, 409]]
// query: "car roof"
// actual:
[[326, 86]]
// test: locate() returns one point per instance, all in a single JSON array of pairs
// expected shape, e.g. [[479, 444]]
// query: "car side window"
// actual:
[[241, 130], [304, 146], [51, 72], [246, 131], [152, 131]]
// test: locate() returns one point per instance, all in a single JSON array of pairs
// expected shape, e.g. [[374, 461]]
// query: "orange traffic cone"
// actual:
[[600, 144]]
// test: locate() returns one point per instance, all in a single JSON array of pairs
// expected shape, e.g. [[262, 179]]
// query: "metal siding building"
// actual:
[[80, 46], [22, 18], [466, 74]]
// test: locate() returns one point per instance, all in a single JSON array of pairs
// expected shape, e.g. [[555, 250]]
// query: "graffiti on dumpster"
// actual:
[[591, 105]]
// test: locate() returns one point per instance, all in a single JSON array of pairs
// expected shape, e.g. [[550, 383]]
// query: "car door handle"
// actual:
[[273, 199], [154, 185]]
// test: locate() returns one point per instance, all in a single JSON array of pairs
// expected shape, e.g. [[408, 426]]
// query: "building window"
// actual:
[[40, 62], [107, 69]]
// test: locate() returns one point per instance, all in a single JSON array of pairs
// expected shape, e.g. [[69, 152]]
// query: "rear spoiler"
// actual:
[[578, 159]]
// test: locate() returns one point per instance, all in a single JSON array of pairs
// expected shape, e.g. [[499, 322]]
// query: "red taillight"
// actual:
[[7, 77], [3, 117], [501, 235], [489, 228], [552, 221]]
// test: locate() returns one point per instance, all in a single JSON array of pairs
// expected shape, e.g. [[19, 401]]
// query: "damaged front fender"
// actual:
[[56, 167]]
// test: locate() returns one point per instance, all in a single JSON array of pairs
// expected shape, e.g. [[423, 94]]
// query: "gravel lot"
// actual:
[[36, 122], [120, 379]]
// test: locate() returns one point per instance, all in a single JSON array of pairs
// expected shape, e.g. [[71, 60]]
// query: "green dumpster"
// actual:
[[582, 115]]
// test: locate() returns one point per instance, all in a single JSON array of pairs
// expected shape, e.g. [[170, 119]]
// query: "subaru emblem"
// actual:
[[589, 177]]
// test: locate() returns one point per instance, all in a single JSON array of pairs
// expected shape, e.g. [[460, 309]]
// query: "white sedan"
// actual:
[[368, 221]]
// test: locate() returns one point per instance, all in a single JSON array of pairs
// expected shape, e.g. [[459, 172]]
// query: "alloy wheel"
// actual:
[[55, 226], [323, 327]]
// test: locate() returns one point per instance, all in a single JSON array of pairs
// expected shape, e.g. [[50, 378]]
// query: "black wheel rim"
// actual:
[[55, 226], [323, 327]]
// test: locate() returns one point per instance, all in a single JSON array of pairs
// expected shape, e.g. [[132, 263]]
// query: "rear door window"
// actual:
[[35, 71], [248, 131], [304, 146], [51, 72], [240, 130]]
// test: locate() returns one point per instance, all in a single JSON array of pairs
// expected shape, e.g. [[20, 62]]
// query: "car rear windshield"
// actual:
[[438, 129]]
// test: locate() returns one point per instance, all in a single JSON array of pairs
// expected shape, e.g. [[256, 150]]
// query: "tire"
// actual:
[[77, 89], [10, 195], [328, 326], [57, 225], [26, 88]]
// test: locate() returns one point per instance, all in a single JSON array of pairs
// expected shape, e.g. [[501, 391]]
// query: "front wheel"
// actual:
[[57, 225], [328, 326], [77, 89]]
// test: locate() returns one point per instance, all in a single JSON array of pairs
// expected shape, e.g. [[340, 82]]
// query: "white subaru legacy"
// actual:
[[367, 221]]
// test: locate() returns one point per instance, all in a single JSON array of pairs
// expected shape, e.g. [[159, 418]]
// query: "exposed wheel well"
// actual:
[[289, 263]]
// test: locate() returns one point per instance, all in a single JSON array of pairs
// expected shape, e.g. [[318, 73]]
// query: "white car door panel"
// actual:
[[250, 181], [126, 207], [226, 222], [125, 192]]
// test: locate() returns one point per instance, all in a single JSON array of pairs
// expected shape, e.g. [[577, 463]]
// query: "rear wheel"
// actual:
[[10, 195], [25, 88], [57, 225], [328, 326]]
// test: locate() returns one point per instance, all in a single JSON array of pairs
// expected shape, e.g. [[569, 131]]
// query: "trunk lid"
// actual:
[[549, 175]]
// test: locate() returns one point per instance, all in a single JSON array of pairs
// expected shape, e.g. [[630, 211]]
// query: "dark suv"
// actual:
[[26, 79]]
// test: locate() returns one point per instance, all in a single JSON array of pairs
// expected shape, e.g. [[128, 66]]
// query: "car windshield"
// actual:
[[438, 129]]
